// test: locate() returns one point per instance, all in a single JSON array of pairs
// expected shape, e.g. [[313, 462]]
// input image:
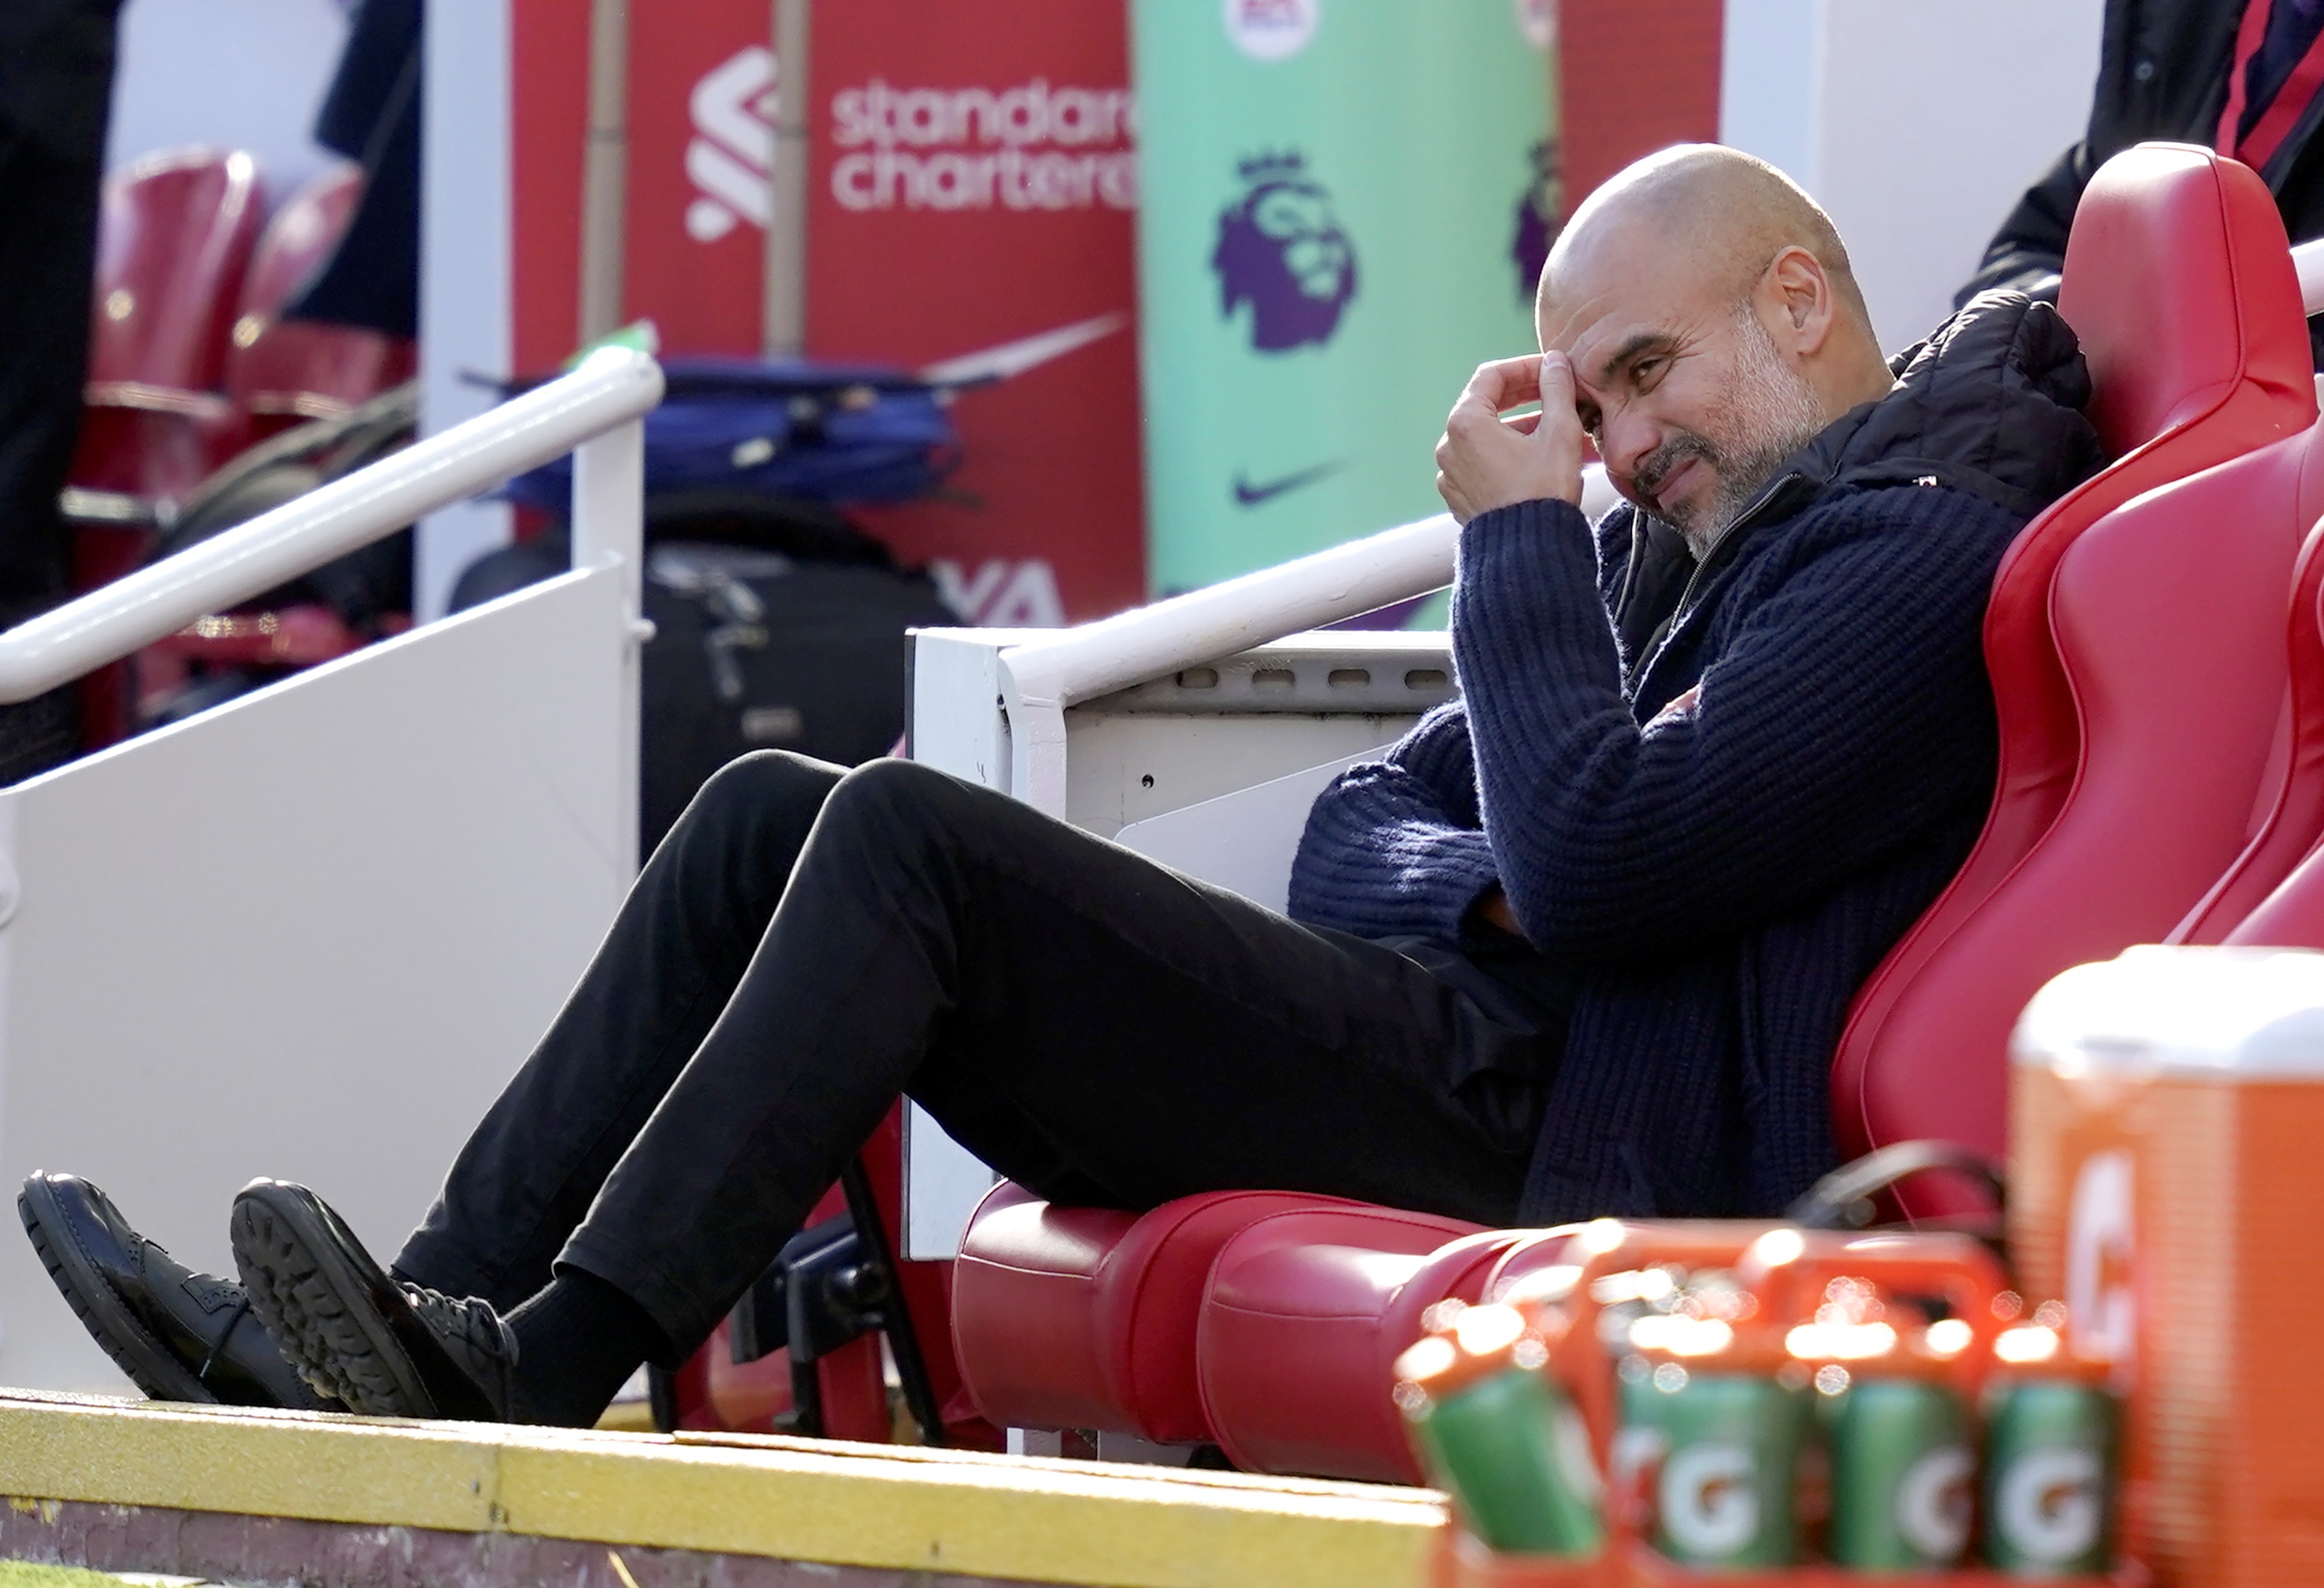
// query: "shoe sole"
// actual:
[[149, 1364], [316, 1307]]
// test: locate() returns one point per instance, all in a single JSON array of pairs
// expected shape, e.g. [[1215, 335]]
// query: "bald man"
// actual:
[[1578, 945]]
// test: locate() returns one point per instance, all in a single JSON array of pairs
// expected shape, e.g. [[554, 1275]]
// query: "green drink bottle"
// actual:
[[1495, 1429], [1902, 1470], [2050, 1431], [1729, 1422]]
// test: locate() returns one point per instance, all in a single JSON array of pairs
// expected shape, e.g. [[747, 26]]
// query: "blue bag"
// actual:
[[814, 433]]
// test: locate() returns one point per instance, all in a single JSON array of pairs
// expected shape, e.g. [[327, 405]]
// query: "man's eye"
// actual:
[[1646, 372]]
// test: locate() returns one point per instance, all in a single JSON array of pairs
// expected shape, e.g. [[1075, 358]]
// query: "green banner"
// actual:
[[1342, 205]]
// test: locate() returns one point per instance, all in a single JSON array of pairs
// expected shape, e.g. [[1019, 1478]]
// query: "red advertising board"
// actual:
[[1601, 48], [973, 194]]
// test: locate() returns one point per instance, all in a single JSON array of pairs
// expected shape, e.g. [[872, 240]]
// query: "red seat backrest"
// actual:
[[2179, 282], [2291, 818], [174, 240], [281, 372]]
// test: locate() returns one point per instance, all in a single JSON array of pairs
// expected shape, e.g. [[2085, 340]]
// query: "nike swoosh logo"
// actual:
[[1251, 495], [1014, 358]]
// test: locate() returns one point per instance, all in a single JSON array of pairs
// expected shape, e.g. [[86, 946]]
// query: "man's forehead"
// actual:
[[1594, 304], [1598, 333]]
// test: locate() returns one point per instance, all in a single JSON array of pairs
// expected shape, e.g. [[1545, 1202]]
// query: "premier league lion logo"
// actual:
[[1282, 252], [1540, 217]]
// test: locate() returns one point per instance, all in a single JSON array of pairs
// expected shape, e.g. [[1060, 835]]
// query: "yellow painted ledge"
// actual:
[[866, 1505]]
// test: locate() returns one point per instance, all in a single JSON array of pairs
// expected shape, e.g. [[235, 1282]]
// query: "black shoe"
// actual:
[[179, 1336], [385, 1348]]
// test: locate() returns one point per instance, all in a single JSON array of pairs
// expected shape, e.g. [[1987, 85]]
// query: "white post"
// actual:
[[609, 529]]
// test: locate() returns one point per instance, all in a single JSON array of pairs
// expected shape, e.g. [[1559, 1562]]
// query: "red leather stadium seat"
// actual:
[[1305, 1313], [2274, 895], [2179, 282], [1085, 1317], [2291, 820], [2293, 914]]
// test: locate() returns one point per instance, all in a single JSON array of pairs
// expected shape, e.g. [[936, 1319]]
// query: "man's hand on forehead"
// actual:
[[1489, 459]]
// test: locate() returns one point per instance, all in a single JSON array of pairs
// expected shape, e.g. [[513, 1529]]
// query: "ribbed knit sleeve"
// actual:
[[1837, 721], [1393, 848]]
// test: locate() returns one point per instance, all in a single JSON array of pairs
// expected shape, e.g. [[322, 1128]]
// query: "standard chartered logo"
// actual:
[[1710, 1498], [1033, 146], [1037, 145], [2048, 1505], [1934, 1502]]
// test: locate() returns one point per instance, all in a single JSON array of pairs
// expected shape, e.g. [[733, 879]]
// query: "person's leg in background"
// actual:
[[56, 80], [1096, 1026]]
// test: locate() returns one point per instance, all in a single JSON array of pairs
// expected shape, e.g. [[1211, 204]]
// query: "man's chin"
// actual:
[[1688, 494]]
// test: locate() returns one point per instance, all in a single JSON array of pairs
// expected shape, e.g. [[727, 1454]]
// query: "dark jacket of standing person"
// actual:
[[2163, 67], [56, 86], [1719, 875]]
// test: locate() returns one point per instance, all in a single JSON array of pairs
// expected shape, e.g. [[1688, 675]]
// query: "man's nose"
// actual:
[[1625, 442]]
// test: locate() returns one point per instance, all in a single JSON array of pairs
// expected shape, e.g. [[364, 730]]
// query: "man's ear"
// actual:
[[1799, 296]]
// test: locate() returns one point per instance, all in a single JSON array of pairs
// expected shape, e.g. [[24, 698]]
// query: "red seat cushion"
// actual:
[[1304, 1315], [1084, 1318]]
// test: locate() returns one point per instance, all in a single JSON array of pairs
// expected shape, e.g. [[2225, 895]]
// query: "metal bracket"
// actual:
[[830, 1284]]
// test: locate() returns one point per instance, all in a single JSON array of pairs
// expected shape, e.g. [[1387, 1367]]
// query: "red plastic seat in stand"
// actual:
[[279, 372], [174, 240], [174, 237], [2137, 683]]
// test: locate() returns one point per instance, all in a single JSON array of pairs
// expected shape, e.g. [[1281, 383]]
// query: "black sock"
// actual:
[[576, 1342]]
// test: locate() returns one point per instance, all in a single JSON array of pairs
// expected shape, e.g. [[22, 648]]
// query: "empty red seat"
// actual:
[[2290, 820], [2179, 283], [282, 371], [2273, 897], [173, 242]]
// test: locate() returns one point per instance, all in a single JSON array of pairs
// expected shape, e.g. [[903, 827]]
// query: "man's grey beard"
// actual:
[[1767, 412]]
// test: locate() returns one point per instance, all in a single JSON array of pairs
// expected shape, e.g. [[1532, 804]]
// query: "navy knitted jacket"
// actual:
[[1719, 874]]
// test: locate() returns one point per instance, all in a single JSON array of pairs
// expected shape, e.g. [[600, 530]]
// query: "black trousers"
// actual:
[[807, 944]]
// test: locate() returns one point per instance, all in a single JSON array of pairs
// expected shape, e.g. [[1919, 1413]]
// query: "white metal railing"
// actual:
[[591, 412], [1043, 676]]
